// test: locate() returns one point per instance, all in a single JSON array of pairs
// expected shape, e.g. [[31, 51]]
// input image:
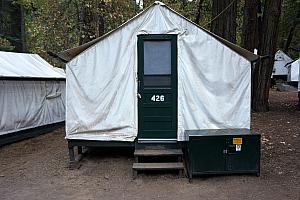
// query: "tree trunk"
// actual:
[[225, 23], [267, 46], [291, 33], [22, 27], [199, 10], [2, 17], [91, 24], [250, 25], [86, 24], [12, 24], [100, 25], [184, 3]]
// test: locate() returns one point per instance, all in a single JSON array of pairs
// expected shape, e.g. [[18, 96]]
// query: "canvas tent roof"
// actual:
[[281, 63], [69, 54], [23, 65], [281, 56]]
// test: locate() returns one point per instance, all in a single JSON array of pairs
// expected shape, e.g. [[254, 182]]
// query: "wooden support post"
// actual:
[[71, 154], [134, 174], [180, 158], [190, 176], [180, 173], [79, 149], [73, 164], [84, 150]]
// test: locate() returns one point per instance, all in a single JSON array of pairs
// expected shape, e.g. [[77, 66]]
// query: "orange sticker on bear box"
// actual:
[[237, 141]]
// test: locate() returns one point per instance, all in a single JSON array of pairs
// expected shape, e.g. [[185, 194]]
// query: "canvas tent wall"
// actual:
[[293, 75], [214, 79], [32, 93], [281, 64], [299, 79]]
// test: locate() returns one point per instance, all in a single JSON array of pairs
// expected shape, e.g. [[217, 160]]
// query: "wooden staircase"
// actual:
[[158, 158]]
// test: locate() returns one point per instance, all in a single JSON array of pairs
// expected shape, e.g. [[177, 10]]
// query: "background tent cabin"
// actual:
[[299, 85], [32, 96], [152, 79], [281, 65], [293, 75]]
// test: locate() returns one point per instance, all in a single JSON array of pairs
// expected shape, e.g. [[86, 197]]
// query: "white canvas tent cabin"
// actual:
[[293, 75], [152, 79], [298, 84], [32, 96], [281, 65], [298, 76]]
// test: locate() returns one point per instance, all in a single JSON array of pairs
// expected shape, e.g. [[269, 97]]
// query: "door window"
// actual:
[[157, 57]]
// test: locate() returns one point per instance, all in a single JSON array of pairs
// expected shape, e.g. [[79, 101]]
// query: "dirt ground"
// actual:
[[38, 168]]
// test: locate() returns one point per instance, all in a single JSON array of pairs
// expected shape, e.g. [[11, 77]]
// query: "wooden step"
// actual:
[[158, 152], [157, 166], [157, 146]]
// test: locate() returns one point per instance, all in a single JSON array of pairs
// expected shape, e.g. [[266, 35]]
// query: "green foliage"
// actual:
[[239, 21], [5, 44], [50, 25], [188, 9]]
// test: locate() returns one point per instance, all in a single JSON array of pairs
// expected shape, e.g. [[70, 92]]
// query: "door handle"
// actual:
[[139, 85], [228, 152], [139, 95]]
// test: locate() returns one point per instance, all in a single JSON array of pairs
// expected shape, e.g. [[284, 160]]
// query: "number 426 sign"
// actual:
[[158, 98]]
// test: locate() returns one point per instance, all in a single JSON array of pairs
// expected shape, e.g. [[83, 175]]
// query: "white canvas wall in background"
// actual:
[[32, 92], [280, 63]]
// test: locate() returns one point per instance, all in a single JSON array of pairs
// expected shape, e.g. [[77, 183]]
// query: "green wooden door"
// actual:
[[157, 87]]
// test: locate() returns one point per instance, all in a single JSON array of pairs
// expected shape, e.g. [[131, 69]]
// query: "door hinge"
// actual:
[[224, 151]]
